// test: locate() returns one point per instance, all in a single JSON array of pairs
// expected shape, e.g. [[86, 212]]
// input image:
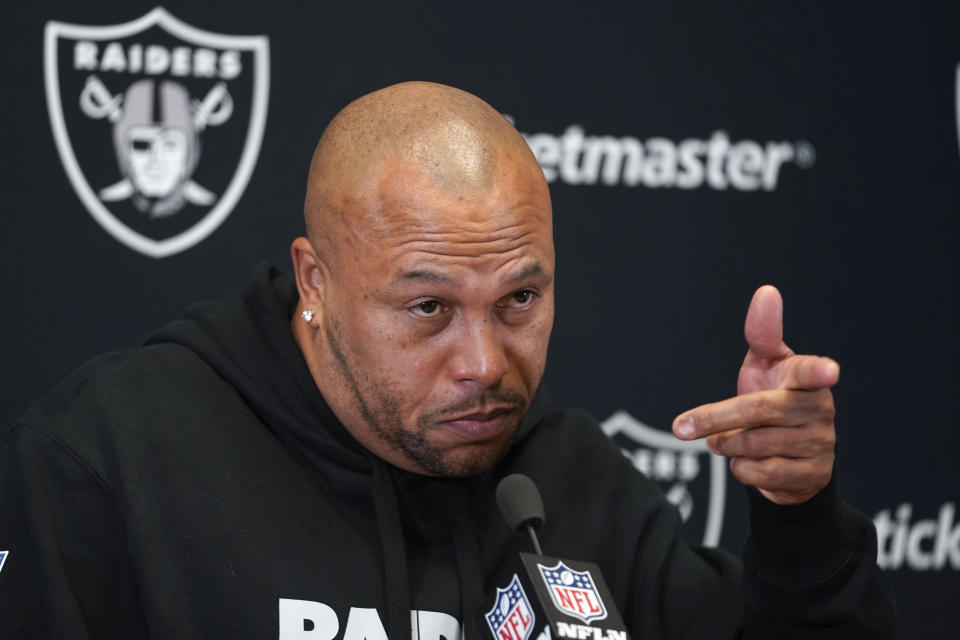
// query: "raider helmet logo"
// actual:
[[158, 124], [678, 467]]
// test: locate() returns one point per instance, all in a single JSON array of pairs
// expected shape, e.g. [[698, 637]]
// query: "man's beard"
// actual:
[[382, 414]]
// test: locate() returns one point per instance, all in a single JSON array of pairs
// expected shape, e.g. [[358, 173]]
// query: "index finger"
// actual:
[[773, 407]]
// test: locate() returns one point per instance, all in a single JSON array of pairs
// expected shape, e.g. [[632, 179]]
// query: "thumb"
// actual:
[[763, 327]]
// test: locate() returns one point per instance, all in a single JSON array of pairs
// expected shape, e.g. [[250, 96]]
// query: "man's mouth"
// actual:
[[479, 425]]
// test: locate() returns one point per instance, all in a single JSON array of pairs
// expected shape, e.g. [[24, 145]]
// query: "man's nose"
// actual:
[[479, 354]]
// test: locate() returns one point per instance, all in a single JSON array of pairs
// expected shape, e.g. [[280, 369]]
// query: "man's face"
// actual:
[[437, 316], [158, 159]]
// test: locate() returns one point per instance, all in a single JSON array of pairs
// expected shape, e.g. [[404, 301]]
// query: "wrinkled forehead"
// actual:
[[465, 199], [405, 215]]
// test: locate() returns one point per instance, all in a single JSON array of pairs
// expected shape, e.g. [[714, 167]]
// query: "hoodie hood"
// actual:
[[247, 340]]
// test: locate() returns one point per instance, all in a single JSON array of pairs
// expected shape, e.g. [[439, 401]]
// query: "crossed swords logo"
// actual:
[[156, 128]]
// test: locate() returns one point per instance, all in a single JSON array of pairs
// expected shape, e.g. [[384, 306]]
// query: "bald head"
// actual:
[[456, 141]]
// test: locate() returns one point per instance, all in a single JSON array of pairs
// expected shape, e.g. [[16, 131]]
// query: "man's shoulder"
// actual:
[[125, 389], [575, 426], [572, 437]]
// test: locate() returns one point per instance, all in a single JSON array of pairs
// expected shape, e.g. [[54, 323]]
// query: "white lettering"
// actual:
[[113, 58], [180, 61], [619, 157], [948, 540], [157, 60], [434, 625], [310, 620], [571, 144], [85, 55], [900, 535], [633, 168], [204, 63], [716, 153], [593, 156], [691, 167], [916, 556], [135, 58], [364, 624], [576, 158], [230, 66], [660, 166], [777, 154], [926, 545], [664, 464], [884, 526], [744, 165], [689, 467], [307, 620], [546, 148], [583, 632]]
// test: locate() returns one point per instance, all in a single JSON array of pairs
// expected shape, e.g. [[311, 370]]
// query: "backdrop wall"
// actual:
[[694, 153]]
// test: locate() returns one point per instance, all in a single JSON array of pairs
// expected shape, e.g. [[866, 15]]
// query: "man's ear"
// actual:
[[310, 273]]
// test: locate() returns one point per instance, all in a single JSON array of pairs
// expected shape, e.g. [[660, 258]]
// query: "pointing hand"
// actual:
[[778, 431]]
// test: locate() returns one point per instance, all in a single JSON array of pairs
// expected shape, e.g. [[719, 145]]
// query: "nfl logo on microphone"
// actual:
[[573, 592], [511, 617], [554, 598]]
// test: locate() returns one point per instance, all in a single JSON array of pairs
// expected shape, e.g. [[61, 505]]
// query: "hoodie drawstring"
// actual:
[[396, 572], [396, 581], [468, 565]]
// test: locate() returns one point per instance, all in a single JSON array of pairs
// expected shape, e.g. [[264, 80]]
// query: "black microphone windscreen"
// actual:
[[519, 502]]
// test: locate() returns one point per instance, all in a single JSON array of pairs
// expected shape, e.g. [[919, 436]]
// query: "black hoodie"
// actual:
[[200, 487]]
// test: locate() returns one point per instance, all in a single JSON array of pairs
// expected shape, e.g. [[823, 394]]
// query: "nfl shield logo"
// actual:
[[158, 124], [693, 479], [573, 592], [511, 617]]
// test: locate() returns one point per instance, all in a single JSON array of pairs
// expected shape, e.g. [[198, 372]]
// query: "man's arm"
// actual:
[[810, 558], [66, 574]]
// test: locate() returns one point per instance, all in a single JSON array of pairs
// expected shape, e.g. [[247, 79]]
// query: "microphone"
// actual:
[[521, 506], [549, 597]]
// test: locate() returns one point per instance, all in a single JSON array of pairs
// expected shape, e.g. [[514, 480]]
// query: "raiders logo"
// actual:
[[158, 124], [693, 479]]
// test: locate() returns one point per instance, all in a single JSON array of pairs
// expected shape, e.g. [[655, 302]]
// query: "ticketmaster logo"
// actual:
[[930, 544], [717, 162]]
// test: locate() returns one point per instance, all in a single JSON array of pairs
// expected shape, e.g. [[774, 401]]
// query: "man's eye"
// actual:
[[427, 309], [519, 299]]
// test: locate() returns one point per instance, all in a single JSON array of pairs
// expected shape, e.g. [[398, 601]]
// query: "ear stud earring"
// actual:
[[307, 315]]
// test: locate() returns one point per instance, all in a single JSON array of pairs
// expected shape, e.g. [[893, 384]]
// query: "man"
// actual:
[[318, 456]]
